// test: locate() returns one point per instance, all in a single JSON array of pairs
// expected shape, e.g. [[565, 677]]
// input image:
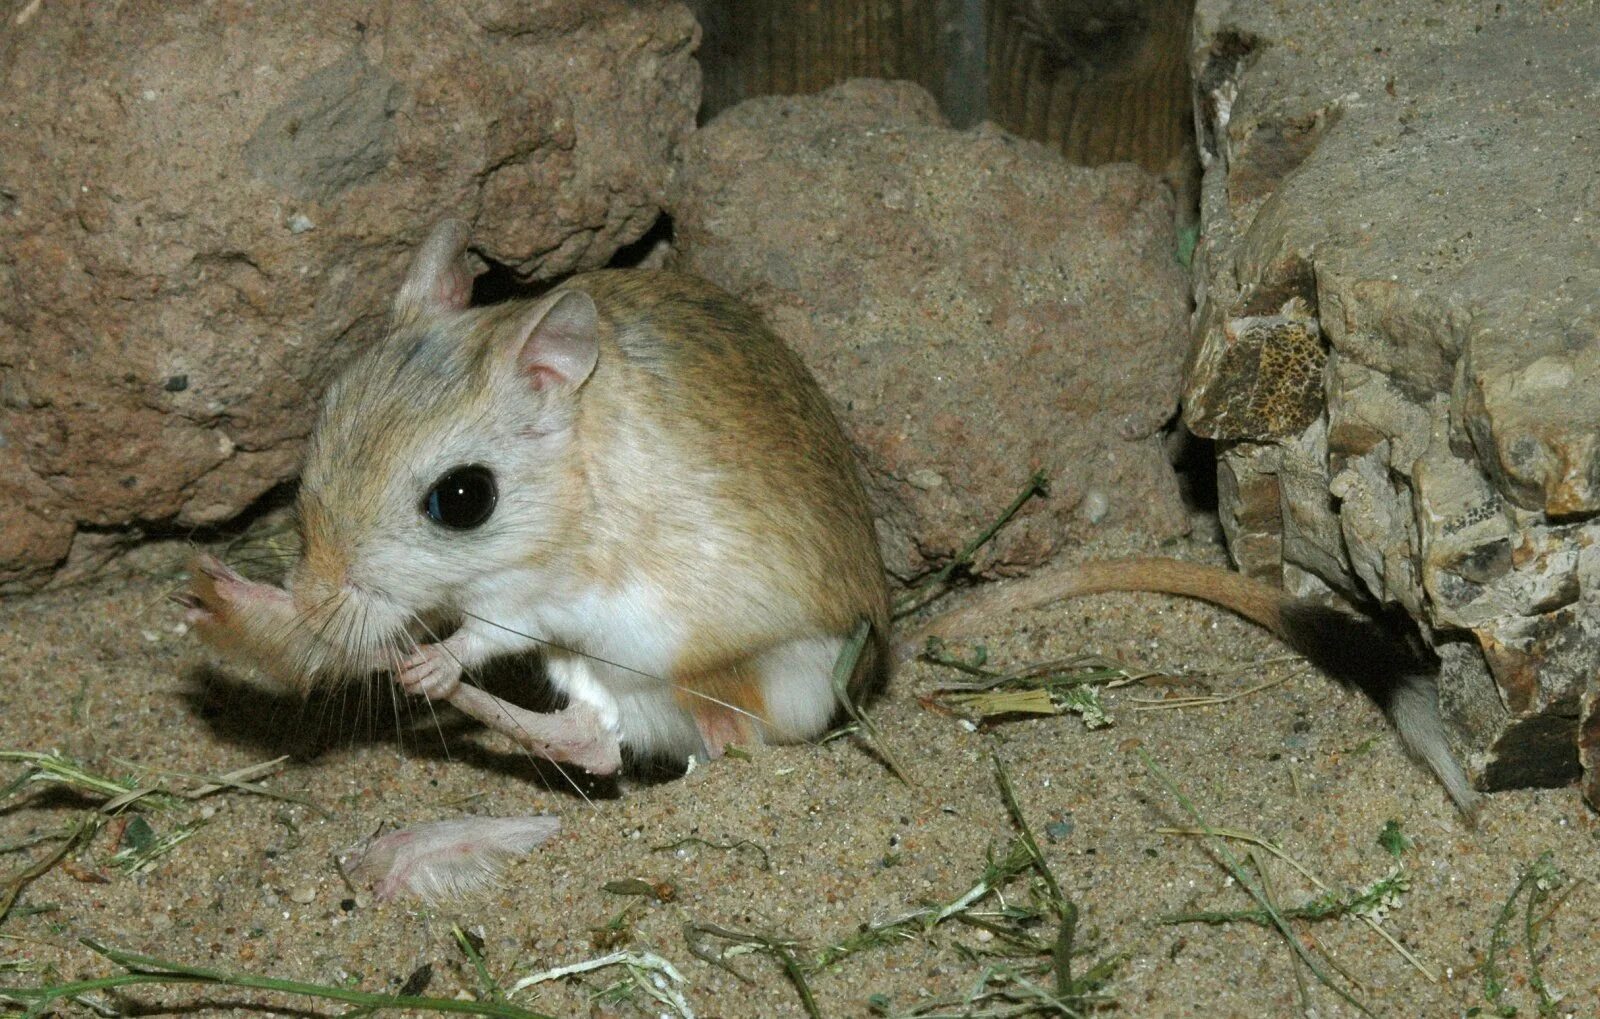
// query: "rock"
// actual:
[[204, 209], [1249, 501], [1589, 745], [1262, 379], [977, 308], [1420, 185]]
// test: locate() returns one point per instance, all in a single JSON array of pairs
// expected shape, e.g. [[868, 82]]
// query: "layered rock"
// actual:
[[205, 208], [1398, 291]]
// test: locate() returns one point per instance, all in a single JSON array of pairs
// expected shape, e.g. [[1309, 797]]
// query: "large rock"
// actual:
[[205, 207], [1400, 336], [978, 309]]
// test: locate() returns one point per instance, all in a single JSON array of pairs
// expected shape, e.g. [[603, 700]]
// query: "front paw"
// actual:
[[432, 671], [218, 597]]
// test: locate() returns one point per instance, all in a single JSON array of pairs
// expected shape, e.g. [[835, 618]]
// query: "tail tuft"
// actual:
[[1384, 660]]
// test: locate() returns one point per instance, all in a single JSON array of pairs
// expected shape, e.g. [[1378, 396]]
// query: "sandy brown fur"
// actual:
[[1259, 602], [692, 364], [722, 700]]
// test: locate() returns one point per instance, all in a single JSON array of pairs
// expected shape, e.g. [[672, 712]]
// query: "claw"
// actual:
[[431, 672], [215, 568]]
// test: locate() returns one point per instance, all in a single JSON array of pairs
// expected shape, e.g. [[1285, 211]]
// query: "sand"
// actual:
[[105, 673]]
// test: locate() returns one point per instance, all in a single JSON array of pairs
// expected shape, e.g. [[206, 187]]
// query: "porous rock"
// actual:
[[204, 208], [1422, 182], [978, 309]]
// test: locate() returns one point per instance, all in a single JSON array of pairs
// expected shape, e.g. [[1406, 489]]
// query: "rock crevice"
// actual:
[[1426, 430]]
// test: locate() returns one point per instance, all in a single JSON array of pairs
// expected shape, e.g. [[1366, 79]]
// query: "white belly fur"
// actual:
[[630, 646]]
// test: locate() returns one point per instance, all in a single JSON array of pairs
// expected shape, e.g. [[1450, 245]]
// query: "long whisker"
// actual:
[[304, 662], [258, 555], [364, 634], [626, 668], [414, 648], [302, 622], [576, 787]]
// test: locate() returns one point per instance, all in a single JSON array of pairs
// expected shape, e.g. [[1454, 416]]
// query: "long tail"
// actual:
[[1258, 602], [1373, 655]]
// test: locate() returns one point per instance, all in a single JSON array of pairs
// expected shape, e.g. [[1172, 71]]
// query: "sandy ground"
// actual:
[[105, 674]]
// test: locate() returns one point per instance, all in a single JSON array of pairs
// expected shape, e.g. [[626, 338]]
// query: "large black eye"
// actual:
[[463, 499]]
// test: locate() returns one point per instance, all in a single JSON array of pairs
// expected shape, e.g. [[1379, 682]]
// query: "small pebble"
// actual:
[[303, 894], [1095, 506]]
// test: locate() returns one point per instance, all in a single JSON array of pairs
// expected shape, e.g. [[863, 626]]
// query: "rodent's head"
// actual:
[[442, 457]]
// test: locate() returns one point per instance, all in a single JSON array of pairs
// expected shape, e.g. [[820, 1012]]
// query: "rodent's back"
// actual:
[[736, 403]]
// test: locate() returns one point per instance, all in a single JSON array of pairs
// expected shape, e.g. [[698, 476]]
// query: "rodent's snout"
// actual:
[[312, 587], [323, 568], [356, 632]]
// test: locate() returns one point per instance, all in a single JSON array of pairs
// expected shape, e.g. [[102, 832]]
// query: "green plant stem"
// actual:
[[1038, 484], [1085, 670], [87, 826], [777, 948], [69, 772], [1061, 952], [843, 668], [1260, 917], [1058, 902], [1537, 896], [691, 840], [148, 970], [1236, 871], [491, 987], [791, 967]]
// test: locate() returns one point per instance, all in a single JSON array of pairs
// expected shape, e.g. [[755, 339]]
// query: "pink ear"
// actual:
[[438, 280], [562, 341]]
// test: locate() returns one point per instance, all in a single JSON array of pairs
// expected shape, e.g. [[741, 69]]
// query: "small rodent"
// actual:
[[1384, 661], [632, 473]]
